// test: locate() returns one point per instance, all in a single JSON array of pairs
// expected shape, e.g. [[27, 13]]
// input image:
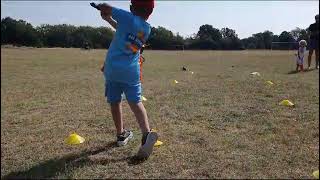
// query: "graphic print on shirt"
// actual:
[[135, 42]]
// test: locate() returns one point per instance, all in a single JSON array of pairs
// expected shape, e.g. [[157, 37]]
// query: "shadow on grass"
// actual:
[[308, 70], [293, 72], [133, 160], [50, 168], [296, 72]]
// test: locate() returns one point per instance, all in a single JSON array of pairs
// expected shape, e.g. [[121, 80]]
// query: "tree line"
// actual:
[[22, 33]]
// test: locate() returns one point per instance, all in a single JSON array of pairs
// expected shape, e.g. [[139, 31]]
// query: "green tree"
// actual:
[[267, 39], [8, 31], [230, 40], [286, 37], [161, 38], [207, 38], [299, 34], [249, 43], [18, 33], [207, 32]]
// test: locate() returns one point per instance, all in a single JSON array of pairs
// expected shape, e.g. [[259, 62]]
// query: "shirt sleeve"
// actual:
[[148, 34], [121, 16]]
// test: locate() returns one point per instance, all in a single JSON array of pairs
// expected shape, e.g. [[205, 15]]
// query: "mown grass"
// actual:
[[219, 122]]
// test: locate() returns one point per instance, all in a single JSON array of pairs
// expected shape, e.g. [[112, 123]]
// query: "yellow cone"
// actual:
[[158, 143], [270, 82], [175, 81], [144, 99], [74, 139], [286, 103], [153, 130], [316, 174]]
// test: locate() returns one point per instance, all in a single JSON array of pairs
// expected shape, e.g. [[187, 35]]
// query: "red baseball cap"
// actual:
[[143, 3]]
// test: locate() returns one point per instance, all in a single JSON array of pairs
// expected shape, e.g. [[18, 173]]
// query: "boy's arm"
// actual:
[[111, 21], [106, 13], [119, 15]]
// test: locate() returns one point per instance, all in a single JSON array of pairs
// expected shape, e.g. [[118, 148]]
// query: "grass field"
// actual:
[[220, 122]]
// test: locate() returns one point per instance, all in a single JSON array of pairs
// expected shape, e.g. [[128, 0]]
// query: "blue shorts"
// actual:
[[314, 44], [113, 91]]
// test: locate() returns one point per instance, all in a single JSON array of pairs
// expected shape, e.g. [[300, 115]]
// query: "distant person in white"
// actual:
[[300, 55]]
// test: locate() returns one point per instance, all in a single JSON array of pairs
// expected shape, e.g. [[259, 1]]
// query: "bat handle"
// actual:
[[94, 5]]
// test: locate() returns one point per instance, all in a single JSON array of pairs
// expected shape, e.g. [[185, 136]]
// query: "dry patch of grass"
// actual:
[[219, 122]]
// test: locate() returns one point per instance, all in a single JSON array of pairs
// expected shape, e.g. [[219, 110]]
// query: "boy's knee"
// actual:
[[114, 100], [134, 100], [136, 107], [113, 104]]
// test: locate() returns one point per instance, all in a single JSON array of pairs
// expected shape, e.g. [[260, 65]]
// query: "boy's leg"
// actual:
[[148, 138], [133, 94], [113, 93], [141, 116], [116, 111]]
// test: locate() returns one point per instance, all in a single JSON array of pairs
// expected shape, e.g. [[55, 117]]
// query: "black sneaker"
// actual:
[[123, 138], [148, 142]]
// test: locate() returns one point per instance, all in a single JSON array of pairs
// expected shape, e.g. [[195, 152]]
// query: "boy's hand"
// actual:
[[102, 68], [104, 16], [105, 9]]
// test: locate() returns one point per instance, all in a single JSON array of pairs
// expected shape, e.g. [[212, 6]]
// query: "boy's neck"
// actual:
[[144, 18]]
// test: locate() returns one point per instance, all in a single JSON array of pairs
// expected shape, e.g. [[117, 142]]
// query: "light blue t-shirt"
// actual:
[[122, 60]]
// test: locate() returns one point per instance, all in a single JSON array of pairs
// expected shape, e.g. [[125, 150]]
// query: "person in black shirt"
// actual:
[[314, 41]]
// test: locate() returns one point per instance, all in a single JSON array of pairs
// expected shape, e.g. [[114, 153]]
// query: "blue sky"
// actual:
[[185, 17]]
